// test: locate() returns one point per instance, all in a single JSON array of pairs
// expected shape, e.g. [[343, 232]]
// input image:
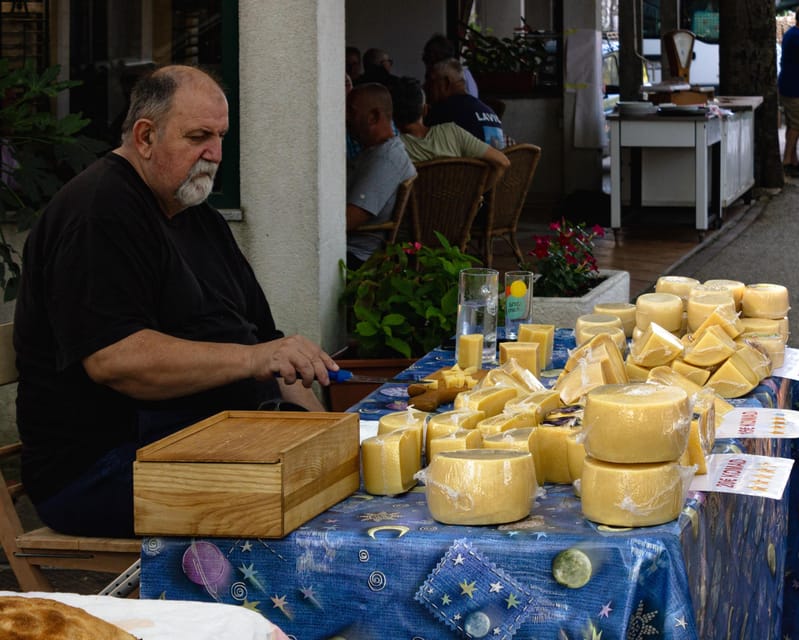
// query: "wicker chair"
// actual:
[[394, 225], [505, 202], [446, 198]]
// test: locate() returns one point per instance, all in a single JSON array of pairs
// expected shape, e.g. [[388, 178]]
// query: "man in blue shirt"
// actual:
[[788, 84]]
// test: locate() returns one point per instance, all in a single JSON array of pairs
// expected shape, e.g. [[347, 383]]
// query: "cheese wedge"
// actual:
[[624, 311], [504, 421], [635, 372], [574, 384], [490, 400], [441, 424], [703, 301], [632, 495], [655, 347], [708, 347], [536, 404], [756, 356], [771, 344], [697, 375], [616, 334], [480, 486], [665, 309], [543, 334], [390, 462], [666, 375], [455, 441], [765, 300], [734, 378], [409, 419], [550, 443], [726, 319], [599, 348], [636, 423], [702, 434]]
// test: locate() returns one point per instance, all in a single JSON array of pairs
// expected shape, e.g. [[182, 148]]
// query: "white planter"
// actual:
[[563, 312]]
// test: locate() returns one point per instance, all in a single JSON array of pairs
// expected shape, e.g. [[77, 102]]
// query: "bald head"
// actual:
[[153, 94], [369, 113]]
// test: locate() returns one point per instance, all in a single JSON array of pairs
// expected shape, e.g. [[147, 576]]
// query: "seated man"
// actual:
[[377, 68], [449, 102], [439, 48], [446, 140], [138, 314], [377, 171]]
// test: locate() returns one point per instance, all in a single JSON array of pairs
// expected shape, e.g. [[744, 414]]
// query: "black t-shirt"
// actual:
[[102, 263], [471, 114]]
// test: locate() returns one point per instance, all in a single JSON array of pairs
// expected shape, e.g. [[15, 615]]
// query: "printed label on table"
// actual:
[[750, 422], [790, 367], [764, 476]]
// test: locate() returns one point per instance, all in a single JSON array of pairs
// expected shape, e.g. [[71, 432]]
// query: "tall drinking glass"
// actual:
[[518, 301], [477, 309]]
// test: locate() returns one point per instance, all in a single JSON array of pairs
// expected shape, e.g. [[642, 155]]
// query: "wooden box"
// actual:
[[255, 474]]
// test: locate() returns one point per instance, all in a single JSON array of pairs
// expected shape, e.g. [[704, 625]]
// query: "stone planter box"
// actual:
[[563, 312]]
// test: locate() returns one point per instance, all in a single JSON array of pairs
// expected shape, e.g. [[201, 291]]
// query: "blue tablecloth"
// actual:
[[381, 567]]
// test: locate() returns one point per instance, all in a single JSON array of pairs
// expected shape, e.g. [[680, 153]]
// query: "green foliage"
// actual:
[[39, 153], [565, 260], [404, 299], [486, 53]]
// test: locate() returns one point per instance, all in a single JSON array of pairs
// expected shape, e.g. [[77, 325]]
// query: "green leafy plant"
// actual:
[[403, 300], [38, 153], [484, 53], [564, 260]]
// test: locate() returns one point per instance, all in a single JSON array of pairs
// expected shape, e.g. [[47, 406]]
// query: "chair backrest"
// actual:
[[506, 199], [27, 551], [446, 198], [397, 214]]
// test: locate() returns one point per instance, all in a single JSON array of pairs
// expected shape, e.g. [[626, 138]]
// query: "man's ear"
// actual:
[[425, 110], [143, 136]]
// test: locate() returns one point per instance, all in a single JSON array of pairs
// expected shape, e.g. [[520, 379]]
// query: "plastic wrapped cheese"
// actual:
[[550, 442], [703, 301], [665, 309], [678, 285], [636, 423], [766, 326], [624, 311], [726, 319], [389, 462], [708, 347], [735, 287], [697, 375], [702, 434], [666, 375], [440, 424], [575, 454], [633, 495], [733, 378], [457, 440], [479, 486], [655, 347], [756, 356], [615, 333], [765, 300], [773, 345], [635, 372], [489, 400], [538, 403], [596, 320], [410, 418]]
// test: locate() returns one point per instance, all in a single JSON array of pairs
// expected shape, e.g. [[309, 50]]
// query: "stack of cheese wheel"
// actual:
[[635, 435], [735, 334]]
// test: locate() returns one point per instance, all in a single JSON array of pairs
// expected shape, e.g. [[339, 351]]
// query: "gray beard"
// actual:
[[197, 185]]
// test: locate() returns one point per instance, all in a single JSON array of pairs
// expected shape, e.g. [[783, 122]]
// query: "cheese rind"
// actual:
[[480, 486], [624, 311], [735, 287], [636, 423], [678, 285], [665, 309], [390, 462], [632, 495]]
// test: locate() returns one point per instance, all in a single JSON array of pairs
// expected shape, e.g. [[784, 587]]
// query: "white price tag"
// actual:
[[745, 474], [751, 422]]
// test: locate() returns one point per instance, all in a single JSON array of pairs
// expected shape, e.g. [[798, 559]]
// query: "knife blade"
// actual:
[[343, 375]]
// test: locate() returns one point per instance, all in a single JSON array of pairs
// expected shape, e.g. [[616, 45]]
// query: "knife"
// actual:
[[342, 375]]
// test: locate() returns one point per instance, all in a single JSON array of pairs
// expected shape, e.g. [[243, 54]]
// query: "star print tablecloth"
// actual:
[[380, 567]]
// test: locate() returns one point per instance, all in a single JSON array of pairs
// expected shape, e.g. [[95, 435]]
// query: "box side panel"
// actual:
[[207, 499], [328, 493]]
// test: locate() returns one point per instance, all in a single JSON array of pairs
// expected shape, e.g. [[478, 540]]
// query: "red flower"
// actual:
[[554, 226], [598, 231]]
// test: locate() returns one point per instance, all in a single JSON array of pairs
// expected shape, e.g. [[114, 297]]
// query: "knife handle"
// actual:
[[342, 375]]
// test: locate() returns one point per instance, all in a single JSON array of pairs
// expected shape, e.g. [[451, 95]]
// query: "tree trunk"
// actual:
[[748, 66]]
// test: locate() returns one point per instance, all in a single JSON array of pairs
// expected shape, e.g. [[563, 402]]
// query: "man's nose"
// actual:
[[213, 151]]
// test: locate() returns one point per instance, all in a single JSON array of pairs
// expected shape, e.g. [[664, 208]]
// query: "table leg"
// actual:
[[615, 176]]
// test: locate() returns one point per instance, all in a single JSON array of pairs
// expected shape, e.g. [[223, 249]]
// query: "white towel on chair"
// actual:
[[584, 79]]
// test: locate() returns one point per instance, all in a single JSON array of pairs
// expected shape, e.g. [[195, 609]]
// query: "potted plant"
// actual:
[[401, 303], [503, 65], [569, 282]]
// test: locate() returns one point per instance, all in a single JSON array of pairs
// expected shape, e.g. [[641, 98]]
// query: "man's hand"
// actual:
[[292, 358]]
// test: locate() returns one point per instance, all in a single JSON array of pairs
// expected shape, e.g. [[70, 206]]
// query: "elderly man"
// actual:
[[377, 171], [138, 314], [450, 102]]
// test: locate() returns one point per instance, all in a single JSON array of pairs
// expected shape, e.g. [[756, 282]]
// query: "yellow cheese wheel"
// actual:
[[596, 320], [766, 326], [624, 311], [655, 347], [636, 423], [765, 300], [708, 347], [632, 495], [703, 301], [544, 335], [470, 350], [520, 439], [668, 376], [678, 285], [480, 486], [525, 353], [665, 309], [457, 440], [389, 462], [735, 287]]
